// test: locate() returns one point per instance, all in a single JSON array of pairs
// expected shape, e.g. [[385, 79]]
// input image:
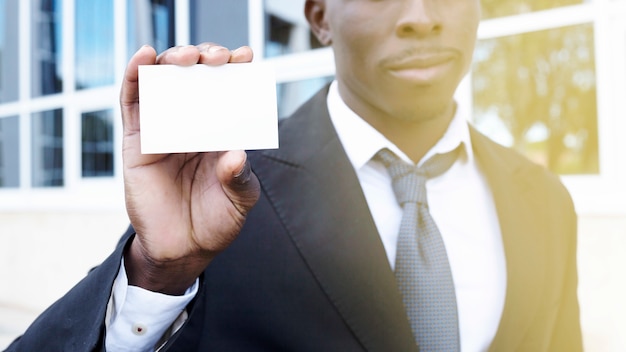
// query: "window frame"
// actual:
[[77, 192], [597, 194]]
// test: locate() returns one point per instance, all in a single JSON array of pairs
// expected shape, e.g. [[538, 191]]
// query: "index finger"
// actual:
[[129, 94]]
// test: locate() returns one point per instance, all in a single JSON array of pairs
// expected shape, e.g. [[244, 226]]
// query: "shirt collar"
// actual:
[[361, 141]]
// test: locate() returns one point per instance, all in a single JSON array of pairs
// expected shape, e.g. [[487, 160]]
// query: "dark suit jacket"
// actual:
[[309, 272]]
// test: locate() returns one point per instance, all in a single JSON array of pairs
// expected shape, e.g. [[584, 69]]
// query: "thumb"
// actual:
[[237, 179]]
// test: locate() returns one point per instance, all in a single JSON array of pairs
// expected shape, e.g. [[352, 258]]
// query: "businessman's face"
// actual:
[[398, 58]]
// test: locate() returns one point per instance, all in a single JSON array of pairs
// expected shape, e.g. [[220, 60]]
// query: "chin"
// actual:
[[425, 112]]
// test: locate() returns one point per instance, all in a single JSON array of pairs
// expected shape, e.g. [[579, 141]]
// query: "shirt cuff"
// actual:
[[138, 318]]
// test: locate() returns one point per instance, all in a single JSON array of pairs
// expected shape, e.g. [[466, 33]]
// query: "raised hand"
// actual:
[[185, 208]]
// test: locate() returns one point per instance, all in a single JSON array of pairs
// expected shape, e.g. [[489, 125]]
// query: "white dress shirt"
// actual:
[[460, 202], [137, 319]]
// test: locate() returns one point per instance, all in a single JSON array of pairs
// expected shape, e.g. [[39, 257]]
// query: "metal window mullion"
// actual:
[[71, 146], [120, 19], [304, 65], [24, 65], [257, 28], [71, 163], [537, 21], [183, 24], [68, 43], [604, 68]]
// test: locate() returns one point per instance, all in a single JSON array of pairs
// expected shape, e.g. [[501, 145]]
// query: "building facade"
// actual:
[[549, 79]]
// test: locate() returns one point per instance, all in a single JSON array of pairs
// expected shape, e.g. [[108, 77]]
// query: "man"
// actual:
[[298, 252]]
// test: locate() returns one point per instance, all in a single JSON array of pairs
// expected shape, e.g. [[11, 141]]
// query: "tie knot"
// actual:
[[409, 181]]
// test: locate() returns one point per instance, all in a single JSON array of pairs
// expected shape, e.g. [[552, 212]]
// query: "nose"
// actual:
[[419, 18]]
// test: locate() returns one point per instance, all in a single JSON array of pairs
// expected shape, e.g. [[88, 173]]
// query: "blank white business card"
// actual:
[[204, 108]]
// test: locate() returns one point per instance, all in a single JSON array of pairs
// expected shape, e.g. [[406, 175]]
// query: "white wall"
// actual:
[[44, 254], [602, 282]]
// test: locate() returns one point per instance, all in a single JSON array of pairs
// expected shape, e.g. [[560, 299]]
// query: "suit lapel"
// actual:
[[315, 191], [523, 238]]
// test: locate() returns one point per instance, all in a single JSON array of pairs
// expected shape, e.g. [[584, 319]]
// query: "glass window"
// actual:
[[150, 22], [9, 152], [287, 30], [537, 92], [47, 148], [210, 18], [499, 8], [46, 47], [94, 43], [291, 95], [97, 143], [8, 51]]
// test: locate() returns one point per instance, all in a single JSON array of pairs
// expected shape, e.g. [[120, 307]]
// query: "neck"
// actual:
[[415, 137]]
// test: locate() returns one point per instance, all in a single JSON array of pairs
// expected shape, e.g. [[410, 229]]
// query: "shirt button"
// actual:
[[139, 329]]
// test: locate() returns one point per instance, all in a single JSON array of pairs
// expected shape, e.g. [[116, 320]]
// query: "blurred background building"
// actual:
[[549, 79]]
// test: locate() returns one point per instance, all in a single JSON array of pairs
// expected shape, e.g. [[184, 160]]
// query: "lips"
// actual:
[[423, 65], [422, 61]]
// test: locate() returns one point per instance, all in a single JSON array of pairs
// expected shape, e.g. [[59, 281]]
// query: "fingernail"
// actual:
[[243, 176], [215, 49]]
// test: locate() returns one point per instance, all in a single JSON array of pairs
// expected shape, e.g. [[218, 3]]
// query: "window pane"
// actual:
[[97, 143], [47, 148], [286, 28], [94, 43], [537, 93], [210, 18], [291, 95], [8, 51], [46, 46], [9, 152], [150, 22], [499, 8]]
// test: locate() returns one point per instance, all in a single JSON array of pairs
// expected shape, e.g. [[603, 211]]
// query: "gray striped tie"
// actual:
[[422, 268]]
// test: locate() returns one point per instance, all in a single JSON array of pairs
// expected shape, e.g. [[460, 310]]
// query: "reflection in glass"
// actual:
[[94, 43], [9, 152], [287, 30], [97, 143], [46, 45], [208, 19], [537, 93], [8, 51], [150, 22], [291, 95], [499, 8], [47, 148]]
